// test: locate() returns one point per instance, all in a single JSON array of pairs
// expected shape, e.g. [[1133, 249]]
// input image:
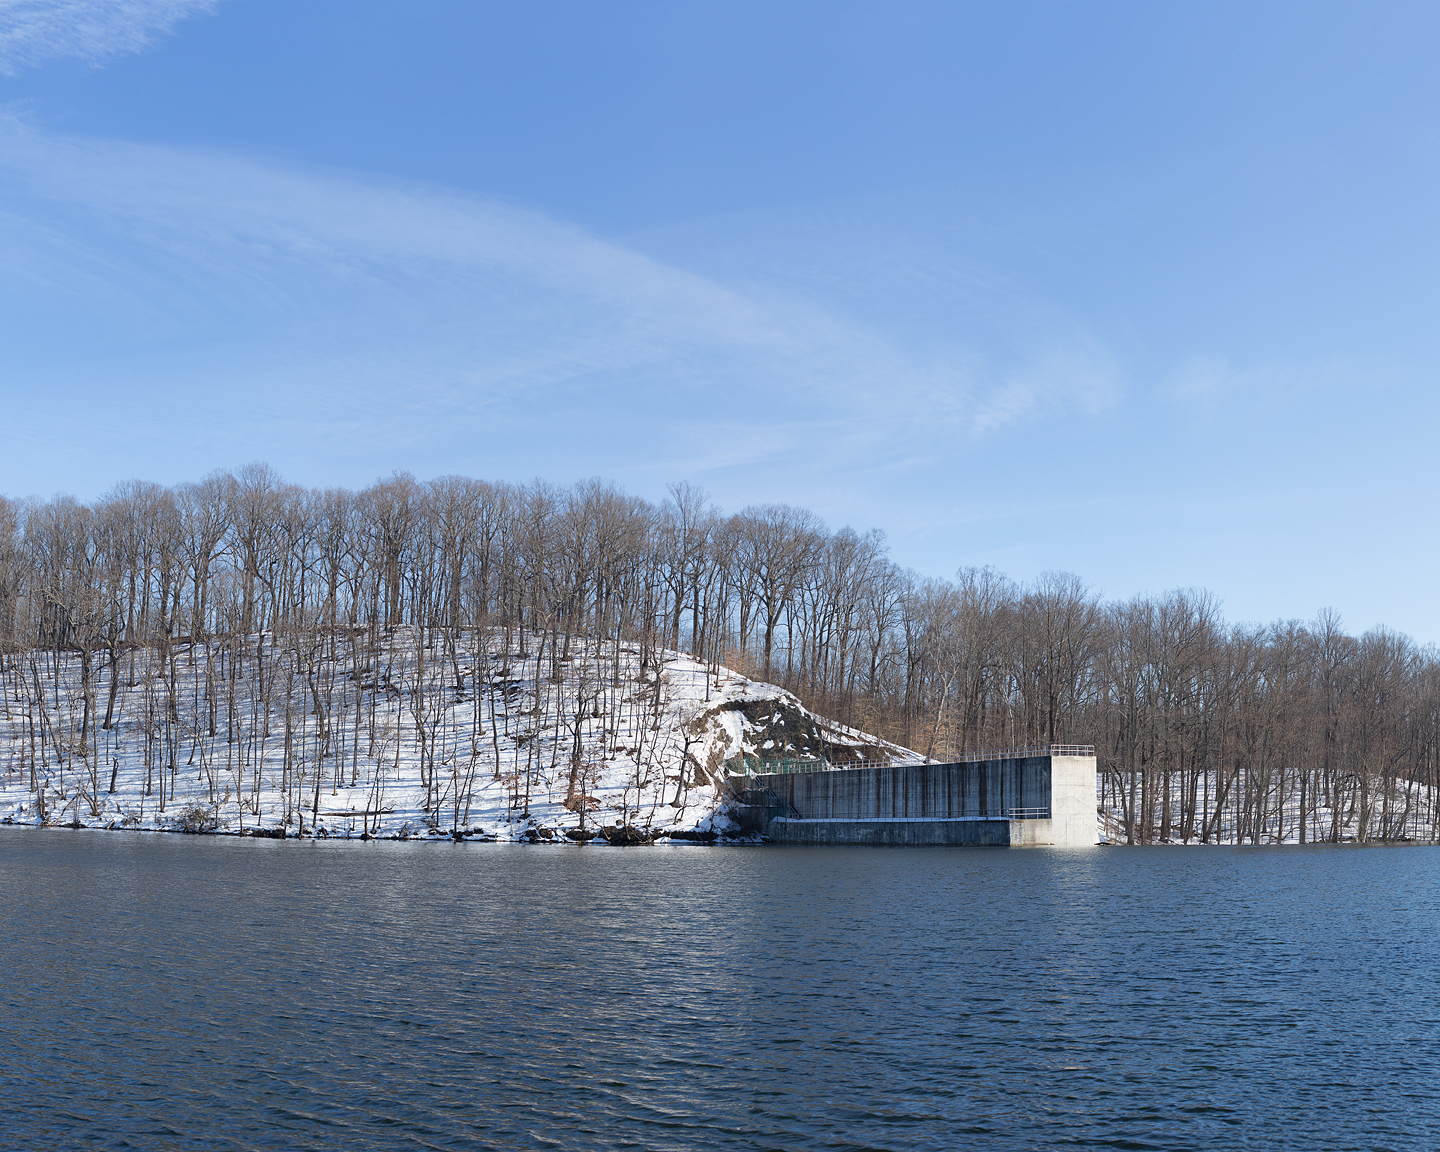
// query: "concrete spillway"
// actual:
[[1024, 799]]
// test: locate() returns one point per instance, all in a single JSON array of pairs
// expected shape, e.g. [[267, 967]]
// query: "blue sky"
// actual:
[[1147, 292]]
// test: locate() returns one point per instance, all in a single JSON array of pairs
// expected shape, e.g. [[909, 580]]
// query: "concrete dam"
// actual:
[[1019, 798]]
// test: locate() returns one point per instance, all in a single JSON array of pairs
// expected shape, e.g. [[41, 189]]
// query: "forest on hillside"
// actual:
[[1204, 730]]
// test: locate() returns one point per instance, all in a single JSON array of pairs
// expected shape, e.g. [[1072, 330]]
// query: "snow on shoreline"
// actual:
[[1402, 812], [413, 735], [394, 737]]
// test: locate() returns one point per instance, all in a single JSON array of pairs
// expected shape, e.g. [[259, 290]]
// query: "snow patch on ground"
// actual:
[[395, 735]]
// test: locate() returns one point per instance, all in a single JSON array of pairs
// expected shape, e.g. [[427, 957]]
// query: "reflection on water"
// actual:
[[178, 992]]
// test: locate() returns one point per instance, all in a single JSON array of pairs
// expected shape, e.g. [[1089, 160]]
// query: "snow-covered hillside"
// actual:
[[1380, 808], [394, 734]]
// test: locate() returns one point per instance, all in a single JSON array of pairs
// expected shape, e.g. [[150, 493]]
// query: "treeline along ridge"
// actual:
[[1204, 730]]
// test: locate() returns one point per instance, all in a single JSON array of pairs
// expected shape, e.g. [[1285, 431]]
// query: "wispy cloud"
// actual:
[[1078, 375], [1211, 379], [33, 31], [276, 311], [1212, 387]]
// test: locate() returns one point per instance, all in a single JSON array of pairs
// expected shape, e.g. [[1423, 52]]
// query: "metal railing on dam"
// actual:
[[787, 765], [1020, 753]]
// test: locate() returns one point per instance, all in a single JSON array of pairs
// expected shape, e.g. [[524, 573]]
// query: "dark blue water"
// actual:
[[179, 992]]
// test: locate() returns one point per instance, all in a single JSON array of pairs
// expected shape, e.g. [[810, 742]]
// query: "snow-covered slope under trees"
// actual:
[[399, 733]]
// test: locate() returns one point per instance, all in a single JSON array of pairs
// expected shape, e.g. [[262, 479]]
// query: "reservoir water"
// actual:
[[205, 993]]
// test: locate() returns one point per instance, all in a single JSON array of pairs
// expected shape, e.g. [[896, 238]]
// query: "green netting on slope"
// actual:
[[761, 766]]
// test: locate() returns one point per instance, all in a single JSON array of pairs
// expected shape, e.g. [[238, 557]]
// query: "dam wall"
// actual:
[[1027, 799]]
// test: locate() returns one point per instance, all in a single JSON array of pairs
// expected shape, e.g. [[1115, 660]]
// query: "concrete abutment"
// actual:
[[1029, 799]]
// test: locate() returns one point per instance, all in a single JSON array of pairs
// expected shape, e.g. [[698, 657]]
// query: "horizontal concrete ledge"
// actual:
[[901, 820], [961, 831]]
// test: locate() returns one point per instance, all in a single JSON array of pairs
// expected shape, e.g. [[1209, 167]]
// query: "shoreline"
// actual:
[[682, 839]]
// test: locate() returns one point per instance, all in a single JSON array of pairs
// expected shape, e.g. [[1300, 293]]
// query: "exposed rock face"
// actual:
[[775, 727]]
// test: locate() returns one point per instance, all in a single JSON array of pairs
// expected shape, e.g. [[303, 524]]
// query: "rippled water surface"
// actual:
[[179, 992]]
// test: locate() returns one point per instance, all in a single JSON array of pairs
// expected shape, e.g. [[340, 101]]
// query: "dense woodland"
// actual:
[[1204, 730]]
